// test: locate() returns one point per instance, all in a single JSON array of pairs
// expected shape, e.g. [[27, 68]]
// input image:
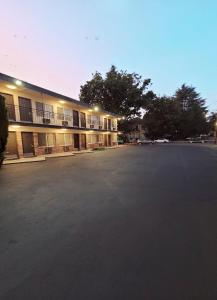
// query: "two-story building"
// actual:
[[43, 122]]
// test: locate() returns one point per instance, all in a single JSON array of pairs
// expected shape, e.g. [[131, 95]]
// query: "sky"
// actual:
[[59, 44]]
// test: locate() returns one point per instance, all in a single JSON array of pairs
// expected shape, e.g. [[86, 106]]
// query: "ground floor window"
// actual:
[[46, 139], [64, 139]]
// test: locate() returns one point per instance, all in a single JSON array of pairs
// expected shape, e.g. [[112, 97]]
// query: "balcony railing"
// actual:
[[31, 115]]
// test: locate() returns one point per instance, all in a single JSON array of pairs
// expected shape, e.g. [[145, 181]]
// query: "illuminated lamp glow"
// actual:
[[96, 108], [11, 87], [18, 82]]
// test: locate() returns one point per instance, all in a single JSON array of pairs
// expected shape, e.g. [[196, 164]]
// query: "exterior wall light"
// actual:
[[11, 87], [61, 101], [15, 126], [96, 108], [90, 110], [18, 82]]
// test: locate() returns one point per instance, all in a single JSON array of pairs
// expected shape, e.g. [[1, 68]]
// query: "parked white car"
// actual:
[[144, 142], [161, 141]]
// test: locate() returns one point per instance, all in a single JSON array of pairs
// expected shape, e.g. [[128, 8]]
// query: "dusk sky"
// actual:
[[59, 44]]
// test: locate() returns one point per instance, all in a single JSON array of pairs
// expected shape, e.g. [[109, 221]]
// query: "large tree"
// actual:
[[193, 111], [160, 119], [119, 92], [3, 128], [178, 117]]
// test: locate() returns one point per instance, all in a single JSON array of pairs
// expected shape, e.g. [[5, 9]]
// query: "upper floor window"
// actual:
[[44, 110], [93, 120], [25, 107]]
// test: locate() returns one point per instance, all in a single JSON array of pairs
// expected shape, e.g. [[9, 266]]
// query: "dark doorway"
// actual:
[[83, 119], [109, 140], [28, 146], [105, 124], [25, 107], [109, 124], [76, 141], [83, 141], [11, 148], [105, 140], [75, 118]]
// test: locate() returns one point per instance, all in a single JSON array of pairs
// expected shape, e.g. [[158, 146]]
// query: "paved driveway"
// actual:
[[131, 223]]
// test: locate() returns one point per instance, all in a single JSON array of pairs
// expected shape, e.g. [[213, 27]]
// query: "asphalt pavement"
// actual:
[[139, 222]]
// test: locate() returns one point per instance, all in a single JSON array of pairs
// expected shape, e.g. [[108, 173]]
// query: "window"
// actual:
[[68, 138], [64, 139], [93, 138], [93, 120], [42, 139], [48, 110], [44, 110], [67, 114], [46, 139], [60, 114], [60, 139], [50, 139]]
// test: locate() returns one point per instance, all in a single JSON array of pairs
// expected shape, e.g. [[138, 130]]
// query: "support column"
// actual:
[[19, 144]]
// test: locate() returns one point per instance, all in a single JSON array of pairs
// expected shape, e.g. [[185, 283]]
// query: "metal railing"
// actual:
[[30, 115]]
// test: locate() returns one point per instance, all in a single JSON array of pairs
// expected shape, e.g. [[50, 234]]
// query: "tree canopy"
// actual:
[[180, 116], [119, 92]]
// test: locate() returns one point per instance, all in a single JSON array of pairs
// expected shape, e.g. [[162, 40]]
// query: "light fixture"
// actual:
[[15, 126], [18, 82], [107, 115], [61, 101], [63, 128], [11, 87], [96, 108], [123, 118], [90, 110]]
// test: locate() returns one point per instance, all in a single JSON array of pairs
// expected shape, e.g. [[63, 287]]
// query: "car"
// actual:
[[161, 141], [196, 140], [144, 142]]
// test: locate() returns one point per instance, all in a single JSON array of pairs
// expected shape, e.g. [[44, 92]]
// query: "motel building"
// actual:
[[42, 122]]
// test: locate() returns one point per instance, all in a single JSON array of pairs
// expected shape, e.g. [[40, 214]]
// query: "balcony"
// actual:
[[29, 115]]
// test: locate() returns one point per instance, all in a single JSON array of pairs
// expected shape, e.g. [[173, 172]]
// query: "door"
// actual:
[[105, 124], [25, 107], [105, 140], [109, 124], [83, 119], [109, 140], [76, 141], [83, 141], [75, 118], [28, 146], [11, 148]]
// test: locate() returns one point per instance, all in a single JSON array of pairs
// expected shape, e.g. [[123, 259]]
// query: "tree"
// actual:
[[3, 128], [192, 111], [119, 92], [160, 119], [177, 117]]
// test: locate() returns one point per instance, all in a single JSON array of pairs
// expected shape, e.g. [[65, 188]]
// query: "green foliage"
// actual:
[[3, 128], [119, 92], [177, 117]]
